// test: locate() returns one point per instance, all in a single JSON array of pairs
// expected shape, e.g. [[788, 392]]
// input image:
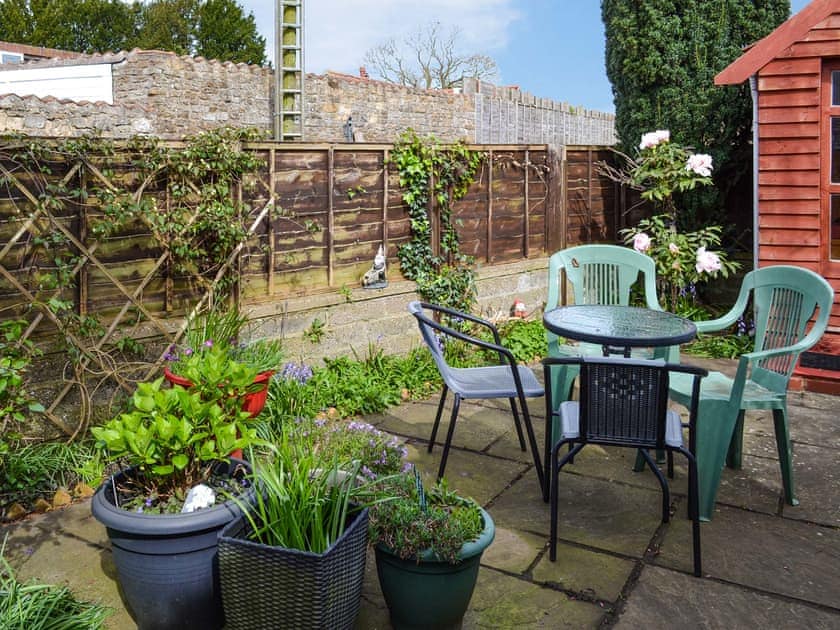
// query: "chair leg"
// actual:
[[785, 451], [694, 512], [666, 491], [456, 404], [736, 445], [517, 423], [555, 478], [437, 417], [532, 439], [670, 464], [715, 423]]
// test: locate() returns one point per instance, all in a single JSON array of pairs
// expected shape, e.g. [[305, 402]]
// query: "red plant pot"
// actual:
[[253, 402]]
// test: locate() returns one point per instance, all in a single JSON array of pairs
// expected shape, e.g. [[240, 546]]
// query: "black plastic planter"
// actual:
[[166, 564]]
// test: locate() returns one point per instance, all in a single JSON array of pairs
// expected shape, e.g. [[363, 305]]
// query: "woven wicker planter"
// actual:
[[274, 587]]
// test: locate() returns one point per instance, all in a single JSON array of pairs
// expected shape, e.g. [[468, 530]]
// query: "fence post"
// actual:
[[489, 205]]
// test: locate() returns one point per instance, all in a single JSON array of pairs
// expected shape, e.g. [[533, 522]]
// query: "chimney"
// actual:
[[363, 73]]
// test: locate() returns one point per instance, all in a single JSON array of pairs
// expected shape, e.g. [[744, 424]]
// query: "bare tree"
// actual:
[[428, 59]]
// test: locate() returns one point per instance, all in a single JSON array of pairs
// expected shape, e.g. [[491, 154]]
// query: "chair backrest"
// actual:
[[434, 334], [601, 274], [784, 300], [624, 401]]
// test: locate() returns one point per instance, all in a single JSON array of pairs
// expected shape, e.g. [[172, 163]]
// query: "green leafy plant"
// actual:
[[410, 521], [434, 176], [15, 358], [346, 292], [350, 385], [524, 338], [218, 332], [357, 190], [173, 436], [316, 331]]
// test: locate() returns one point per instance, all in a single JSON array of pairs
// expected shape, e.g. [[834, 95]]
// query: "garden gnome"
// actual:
[[374, 277], [519, 308]]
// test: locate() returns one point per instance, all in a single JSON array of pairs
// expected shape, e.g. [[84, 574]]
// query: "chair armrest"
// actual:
[[712, 325], [499, 349], [468, 317], [729, 318]]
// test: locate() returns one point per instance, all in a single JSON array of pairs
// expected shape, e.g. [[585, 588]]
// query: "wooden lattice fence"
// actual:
[[315, 216]]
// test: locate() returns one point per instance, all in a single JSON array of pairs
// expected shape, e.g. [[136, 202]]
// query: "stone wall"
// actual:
[[379, 316], [166, 95], [381, 111]]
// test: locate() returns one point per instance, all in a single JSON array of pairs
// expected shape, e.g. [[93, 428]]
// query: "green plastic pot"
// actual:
[[431, 594]]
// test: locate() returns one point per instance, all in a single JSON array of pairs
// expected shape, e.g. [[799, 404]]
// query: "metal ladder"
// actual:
[[288, 75]]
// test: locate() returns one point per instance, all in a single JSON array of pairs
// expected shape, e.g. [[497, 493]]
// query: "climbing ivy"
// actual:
[[432, 177]]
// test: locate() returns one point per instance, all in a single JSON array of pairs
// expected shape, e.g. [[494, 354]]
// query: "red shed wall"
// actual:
[[792, 171]]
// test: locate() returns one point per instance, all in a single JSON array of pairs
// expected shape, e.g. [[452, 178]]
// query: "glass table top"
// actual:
[[628, 326]]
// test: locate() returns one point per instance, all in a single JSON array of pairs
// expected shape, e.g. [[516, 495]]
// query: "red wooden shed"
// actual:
[[794, 75]]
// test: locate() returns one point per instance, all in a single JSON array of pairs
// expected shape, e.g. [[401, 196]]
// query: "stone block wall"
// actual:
[[381, 111], [379, 316], [170, 96]]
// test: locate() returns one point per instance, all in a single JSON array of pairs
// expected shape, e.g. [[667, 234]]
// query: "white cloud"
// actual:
[[339, 32]]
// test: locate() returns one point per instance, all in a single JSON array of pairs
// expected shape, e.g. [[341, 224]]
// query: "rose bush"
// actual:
[[683, 259]]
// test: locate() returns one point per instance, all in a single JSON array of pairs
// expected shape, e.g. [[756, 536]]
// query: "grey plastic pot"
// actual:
[[166, 564]]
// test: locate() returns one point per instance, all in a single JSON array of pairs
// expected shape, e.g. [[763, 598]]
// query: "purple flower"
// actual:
[[208, 343], [148, 502], [188, 352]]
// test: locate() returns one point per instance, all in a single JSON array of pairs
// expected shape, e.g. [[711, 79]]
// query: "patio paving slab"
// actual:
[[592, 512], [476, 427], [593, 575], [502, 601], [775, 555], [664, 599], [70, 548]]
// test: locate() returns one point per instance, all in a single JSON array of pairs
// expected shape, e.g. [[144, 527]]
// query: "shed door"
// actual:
[[830, 224]]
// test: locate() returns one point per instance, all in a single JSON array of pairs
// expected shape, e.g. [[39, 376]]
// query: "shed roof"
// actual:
[[38, 51], [765, 50]]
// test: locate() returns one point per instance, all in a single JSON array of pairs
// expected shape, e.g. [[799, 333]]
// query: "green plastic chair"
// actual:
[[599, 274], [784, 300]]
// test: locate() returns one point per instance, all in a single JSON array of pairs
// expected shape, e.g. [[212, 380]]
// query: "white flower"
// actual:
[[672, 247], [700, 163], [652, 138], [641, 242], [707, 262], [198, 497]]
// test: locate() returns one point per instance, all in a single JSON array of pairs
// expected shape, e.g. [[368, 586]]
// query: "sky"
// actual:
[[550, 48]]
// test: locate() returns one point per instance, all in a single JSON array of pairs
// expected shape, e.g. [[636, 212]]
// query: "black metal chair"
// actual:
[[624, 402], [506, 380]]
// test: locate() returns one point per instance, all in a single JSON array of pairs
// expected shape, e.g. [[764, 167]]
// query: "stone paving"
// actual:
[[765, 564]]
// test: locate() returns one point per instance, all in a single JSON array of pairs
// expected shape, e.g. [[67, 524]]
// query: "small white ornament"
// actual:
[[199, 497]]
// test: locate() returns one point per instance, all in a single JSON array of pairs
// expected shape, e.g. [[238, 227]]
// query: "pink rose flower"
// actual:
[[672, 247], [641, 242], [652, 138], [700, 163], [707, 262]]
